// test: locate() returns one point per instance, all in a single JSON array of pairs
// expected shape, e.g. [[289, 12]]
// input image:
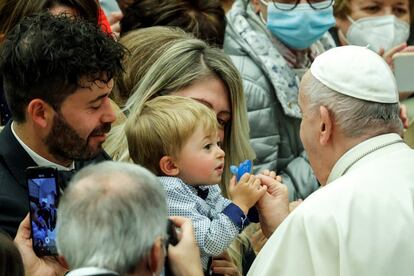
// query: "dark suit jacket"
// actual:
[[5, 113], [14, 200]]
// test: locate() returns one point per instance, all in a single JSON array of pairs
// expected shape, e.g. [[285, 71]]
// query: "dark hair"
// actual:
[[46, 57], [87, 9], [12, 11], [11, 262], [205, 19]]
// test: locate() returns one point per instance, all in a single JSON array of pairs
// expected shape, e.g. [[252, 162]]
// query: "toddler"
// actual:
[[177, 139]]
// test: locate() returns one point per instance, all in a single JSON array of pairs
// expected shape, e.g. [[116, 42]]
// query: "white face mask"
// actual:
[[377, 32]]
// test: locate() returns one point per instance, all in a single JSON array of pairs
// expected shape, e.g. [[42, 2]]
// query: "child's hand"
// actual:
[[247, 192]]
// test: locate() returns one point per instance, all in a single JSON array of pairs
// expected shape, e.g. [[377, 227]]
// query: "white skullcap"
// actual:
[[356, 72]]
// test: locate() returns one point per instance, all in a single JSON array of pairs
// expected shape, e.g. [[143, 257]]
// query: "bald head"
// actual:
[[110, 216], [100, 185]]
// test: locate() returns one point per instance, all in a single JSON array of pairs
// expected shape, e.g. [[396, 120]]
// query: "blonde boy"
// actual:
[[177, 139]]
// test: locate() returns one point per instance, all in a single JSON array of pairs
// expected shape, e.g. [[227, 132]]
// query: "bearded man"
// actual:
[[57, 74]]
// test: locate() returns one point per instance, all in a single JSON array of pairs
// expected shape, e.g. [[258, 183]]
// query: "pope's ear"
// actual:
[[326, 125], [168, 167]]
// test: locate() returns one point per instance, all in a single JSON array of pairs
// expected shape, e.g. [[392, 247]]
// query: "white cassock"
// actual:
[[361, 223]]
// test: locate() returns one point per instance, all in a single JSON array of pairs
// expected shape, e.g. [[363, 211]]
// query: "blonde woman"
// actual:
[[166, 61]]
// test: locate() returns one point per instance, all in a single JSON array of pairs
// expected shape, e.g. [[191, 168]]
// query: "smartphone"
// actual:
[[43, 191], [403, 71], [173, 240]]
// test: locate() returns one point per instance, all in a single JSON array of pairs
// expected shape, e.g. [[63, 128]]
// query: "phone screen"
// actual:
[[43, 200]]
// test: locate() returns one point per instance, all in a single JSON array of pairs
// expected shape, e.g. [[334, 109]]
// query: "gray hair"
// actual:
[[110, 216], [355, 117]]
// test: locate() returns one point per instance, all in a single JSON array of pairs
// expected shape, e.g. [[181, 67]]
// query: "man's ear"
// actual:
[[40, 113], [326, 125], [155, 260], [168, 167]]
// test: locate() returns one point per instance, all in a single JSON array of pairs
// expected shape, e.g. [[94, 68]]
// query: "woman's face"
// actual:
[[213, 93], [368, 8]]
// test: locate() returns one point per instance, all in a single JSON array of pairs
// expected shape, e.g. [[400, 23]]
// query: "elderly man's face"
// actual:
[[309, 131]]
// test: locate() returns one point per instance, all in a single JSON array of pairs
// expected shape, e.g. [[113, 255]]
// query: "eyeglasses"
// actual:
[[288, 5]]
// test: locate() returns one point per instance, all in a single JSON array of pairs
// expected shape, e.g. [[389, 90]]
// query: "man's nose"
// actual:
[[109, 114]]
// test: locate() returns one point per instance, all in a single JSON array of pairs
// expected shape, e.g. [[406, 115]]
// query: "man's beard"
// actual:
[[65, 144]]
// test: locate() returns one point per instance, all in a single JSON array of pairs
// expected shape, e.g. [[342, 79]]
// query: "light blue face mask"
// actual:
[[301, 27]]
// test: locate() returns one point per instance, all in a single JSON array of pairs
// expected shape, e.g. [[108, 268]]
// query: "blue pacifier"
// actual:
[[244, 167]]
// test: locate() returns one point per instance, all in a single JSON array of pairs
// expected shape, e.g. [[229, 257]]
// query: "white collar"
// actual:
[[85, 271], [360, 151], [39, 160]]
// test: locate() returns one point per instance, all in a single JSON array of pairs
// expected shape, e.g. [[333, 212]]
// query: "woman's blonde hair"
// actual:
[[163, 127], [168, 61]]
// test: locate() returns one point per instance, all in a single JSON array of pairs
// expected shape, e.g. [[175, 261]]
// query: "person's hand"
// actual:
[[387, 56], [404, 116], [33, 265], [272, 174], [184, 257], [222, 265], [247, 192], [273, 207], [114, 20]]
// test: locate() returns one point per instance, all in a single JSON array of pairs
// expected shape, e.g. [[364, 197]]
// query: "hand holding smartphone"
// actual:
[[403, 71], [173, 240], [43, 193]]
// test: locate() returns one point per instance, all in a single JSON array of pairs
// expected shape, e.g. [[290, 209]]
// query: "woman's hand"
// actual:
[[388, 56]]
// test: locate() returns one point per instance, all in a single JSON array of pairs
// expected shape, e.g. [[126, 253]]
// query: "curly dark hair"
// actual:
[[204, 19], [46, 57]]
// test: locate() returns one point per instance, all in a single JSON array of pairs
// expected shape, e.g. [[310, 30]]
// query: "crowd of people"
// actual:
[[143, 107]]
